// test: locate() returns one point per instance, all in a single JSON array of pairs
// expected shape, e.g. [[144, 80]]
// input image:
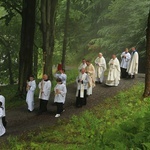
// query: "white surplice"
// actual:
[[30, 95], [125, 58], [2, 129], [114, 73], [100, 67]]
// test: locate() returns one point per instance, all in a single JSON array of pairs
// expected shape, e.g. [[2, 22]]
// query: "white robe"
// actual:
[[82, 66], [82, 86], [100, 67], [125, 60], [2, 99], [62, 76], [60, 98], [114, 73], [2, 129], [30, 95], [91, 74], [133, 64], [44, 86]]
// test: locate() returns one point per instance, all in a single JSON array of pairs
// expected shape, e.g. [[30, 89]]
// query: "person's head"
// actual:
[[126, 50], [58, 80], [133, 48], [83, 61], [62, 70], [88, 62], [31, 77], [83, 70], [45, 77], [100, 55], [113, 56]]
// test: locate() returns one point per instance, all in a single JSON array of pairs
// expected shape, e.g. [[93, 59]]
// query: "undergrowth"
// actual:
[[119, 123]]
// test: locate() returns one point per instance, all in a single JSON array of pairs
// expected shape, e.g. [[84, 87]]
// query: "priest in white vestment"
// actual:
[[82, 86], [90, 70], [60, 96], [2, 99], [100, 67], [31, 86], [114, 72], [133, 63], [44, 94], [125, 58], [2, 128]]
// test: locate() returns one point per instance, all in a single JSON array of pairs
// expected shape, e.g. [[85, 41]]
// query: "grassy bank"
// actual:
[[119, 123]]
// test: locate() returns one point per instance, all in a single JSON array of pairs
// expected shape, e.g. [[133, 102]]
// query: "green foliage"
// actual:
[[120, 123]]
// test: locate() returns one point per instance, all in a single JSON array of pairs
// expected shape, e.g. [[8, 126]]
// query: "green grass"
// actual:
[[119, 123]]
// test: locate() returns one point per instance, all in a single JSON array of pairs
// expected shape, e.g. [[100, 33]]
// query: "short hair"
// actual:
[[58, 80]]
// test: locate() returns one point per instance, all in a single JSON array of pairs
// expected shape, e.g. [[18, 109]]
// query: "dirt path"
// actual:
[[21, 121]]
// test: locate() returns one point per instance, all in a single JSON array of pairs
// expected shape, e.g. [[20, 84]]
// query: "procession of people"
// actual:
[[88, 77]]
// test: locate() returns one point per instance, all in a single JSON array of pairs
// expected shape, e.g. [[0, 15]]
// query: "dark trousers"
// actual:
[[124, 74], [4, 121], [59, 108], [43, 105], [81, 101]]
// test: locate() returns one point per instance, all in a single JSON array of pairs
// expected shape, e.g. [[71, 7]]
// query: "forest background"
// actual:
[[37, 35]]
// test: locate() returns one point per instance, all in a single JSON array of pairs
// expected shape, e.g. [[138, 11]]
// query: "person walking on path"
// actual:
[[133, 64], [2, 128], [60, 96], [44, 94], [82, 85], [125, 58], [31, 86], [114, 72], [2, 100], [100, 67]]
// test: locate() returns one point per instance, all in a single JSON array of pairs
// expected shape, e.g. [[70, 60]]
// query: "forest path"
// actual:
[[20, 121]]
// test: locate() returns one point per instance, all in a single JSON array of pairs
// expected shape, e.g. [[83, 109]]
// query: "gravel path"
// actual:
[[20, 121]]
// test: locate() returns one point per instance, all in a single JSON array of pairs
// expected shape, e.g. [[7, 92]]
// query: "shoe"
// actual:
[[57, 115], [63, 110]]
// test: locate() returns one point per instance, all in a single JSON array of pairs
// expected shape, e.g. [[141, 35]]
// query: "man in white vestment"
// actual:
[[133, 63], [100, 67], [125, 58], [90, 70], [114, 72], [61, 74], [44, 94], [82, 65], [31, 86], [2, 99], [82, 86]]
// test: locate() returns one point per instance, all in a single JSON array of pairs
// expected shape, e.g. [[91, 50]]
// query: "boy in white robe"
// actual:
[[82, 86], [2, 128], [31, 86], [114, 72], [2, 99], [125, 58], [100, 67], [133, 64], [60, 96], [44, 94]]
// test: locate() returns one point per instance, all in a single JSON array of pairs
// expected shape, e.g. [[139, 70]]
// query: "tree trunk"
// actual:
[[11, 81], [147, 77], [65, 35], [48, 15], [27, 40]]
